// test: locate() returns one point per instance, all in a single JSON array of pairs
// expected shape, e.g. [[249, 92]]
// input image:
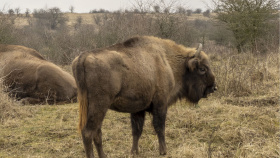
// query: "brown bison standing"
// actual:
[[141, 74], [32, 79]]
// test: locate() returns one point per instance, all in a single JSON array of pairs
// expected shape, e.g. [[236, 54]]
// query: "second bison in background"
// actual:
[[30, 78], [141, 74]]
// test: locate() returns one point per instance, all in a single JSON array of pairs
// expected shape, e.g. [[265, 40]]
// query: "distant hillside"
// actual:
[[88, 18]]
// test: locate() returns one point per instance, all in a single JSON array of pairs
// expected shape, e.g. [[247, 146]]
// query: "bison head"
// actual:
[[199, 79]]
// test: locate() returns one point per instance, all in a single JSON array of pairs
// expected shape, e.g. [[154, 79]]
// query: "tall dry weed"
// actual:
[[245, 74], [6, 108], [9, 108]]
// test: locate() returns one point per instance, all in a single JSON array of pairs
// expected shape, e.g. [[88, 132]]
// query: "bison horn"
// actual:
[[198, 50]]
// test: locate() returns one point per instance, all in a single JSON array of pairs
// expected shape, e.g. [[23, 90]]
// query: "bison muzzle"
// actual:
[[142, 74]]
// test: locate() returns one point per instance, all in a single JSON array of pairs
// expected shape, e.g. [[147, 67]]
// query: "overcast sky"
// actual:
[[84, 6]]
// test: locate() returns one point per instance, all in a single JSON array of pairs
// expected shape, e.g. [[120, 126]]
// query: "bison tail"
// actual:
[[83, 108], [79, 74]]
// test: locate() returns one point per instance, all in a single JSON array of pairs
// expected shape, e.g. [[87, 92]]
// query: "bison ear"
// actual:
[[191, 63]]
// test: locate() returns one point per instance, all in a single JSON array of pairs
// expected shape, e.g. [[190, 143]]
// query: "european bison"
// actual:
[[32, 79], [141, 74]]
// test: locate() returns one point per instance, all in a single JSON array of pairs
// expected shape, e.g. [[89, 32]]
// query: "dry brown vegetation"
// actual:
[[240, 120]]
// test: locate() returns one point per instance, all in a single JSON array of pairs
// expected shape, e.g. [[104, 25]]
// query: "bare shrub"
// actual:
[[84, 38], [7, 109], [197, 11], [6, 28], [189, 12], [167, 25], [206, 13], [78, 23], [51, 18], [220, 34], [111, 28]]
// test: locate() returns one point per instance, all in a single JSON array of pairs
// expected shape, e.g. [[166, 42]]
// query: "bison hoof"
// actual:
[[162, 153], [134, 152]]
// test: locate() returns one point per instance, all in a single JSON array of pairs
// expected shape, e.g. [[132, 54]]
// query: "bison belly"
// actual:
[[131, 104]]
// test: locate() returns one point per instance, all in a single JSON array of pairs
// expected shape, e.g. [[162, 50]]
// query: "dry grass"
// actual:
[[9, 109], [225, 125], [214, 129]]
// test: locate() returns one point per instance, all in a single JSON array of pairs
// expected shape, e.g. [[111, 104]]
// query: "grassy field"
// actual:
[[213, 129]]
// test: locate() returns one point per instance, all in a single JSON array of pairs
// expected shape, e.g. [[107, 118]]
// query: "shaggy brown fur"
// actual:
[[141, 74], [32, 79]]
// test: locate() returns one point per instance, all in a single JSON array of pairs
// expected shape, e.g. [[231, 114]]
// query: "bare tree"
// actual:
[[17, 10], [11, 12], [197, 11], [71, 8], [189, 12], [181, 10], [170, 6], [27, 13], [143, 6], [206, 13], [157, 8]]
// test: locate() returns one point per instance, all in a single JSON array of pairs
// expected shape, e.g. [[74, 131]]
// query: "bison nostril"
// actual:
[[215, 88]]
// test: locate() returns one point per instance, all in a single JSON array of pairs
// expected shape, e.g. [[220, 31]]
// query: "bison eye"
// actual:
[[202, 70]]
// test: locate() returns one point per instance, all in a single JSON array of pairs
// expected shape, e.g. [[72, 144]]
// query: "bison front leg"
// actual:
[[159, 117], [137, 123]]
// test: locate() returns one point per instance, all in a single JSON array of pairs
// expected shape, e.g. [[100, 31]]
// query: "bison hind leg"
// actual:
[[92, 132], [87, 136], [97, 109], [98, 143]]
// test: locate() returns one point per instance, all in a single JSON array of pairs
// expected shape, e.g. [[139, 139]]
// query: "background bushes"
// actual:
[[60, 37]]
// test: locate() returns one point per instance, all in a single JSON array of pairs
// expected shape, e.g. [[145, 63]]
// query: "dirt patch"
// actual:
[[260, 102]]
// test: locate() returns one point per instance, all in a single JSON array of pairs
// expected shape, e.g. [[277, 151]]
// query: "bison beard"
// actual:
[[194, 90], [195, 93], [141, 74]]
